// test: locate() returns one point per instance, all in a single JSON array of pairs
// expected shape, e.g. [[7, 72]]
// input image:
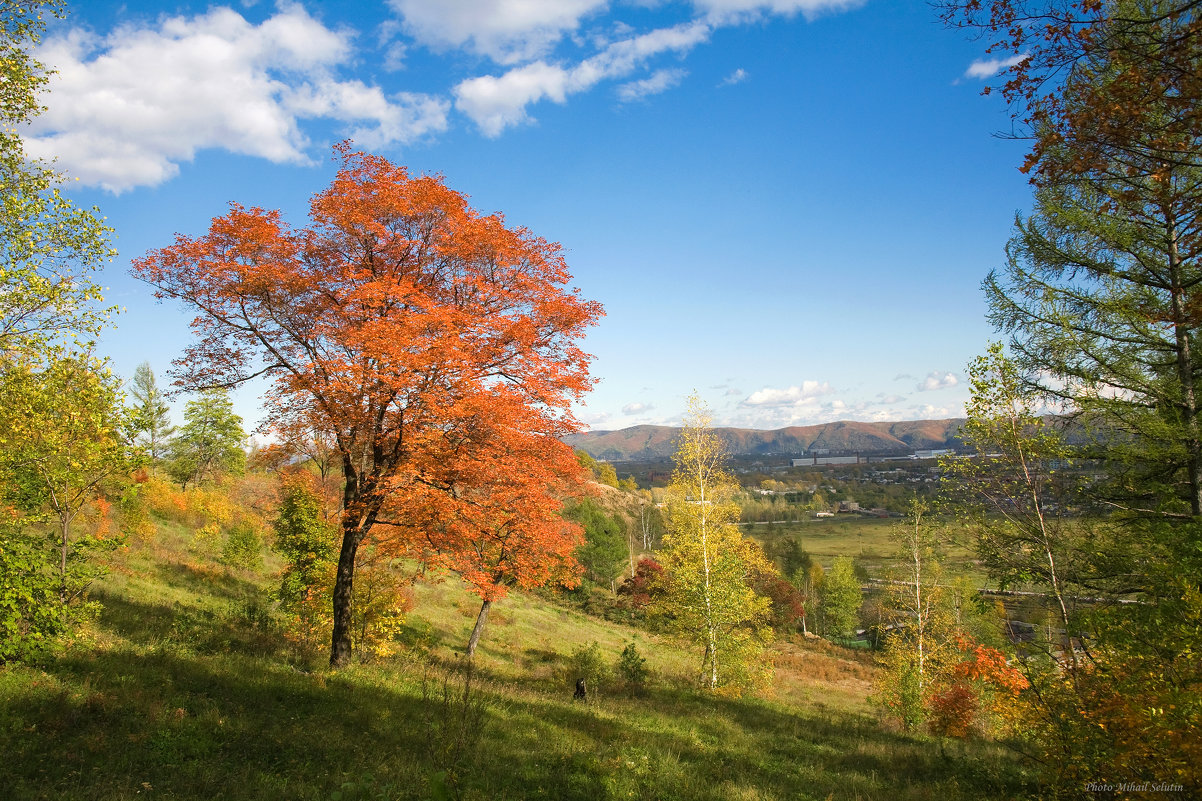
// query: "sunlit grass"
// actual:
[[184, 688]]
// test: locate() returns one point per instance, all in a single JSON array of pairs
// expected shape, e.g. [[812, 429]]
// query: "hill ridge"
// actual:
[[651, 442]]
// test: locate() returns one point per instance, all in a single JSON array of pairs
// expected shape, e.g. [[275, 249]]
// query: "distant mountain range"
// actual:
[[647, 443]]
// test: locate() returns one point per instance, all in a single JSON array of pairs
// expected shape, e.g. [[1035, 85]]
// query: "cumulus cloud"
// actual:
[[660, 81], [495, 103], [987, 68], [937, 380], [807, 393], [126, 109], [738, 76], [507, 31], [636, 408]]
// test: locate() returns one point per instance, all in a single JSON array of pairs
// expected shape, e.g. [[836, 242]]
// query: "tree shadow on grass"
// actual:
[[207, 580], [117, 723], [205, 718]]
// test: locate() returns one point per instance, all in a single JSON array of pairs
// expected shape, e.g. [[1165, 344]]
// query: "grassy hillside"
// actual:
[[184, 689]]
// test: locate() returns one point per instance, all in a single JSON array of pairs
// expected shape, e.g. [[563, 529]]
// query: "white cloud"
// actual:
[[508, 31], [738, 76], [987, 68], [731, 10], [496, 103], [636, 408], [805, 394], [126, 109], [388, 35], [937, 380], [592, 420], [733, 391], [660, 81]]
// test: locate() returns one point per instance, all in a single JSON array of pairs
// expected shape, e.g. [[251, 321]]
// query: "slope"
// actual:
[[184, 689]]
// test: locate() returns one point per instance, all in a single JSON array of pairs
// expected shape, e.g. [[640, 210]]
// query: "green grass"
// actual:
[[184, 689], [870, 540]]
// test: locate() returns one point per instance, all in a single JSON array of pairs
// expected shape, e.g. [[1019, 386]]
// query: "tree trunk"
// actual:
[[344, 585], [481, 619], [1188, 403], [65, 546]]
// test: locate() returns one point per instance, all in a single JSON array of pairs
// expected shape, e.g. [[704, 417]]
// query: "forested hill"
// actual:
[[657, 442]]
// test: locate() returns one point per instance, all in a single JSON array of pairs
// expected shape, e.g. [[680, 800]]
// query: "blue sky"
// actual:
[[787, 205]]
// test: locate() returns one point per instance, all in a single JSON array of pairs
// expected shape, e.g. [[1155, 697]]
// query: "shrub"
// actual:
[[631, 668], [243, 546], [587, 663], [206, 540], [31, 613]]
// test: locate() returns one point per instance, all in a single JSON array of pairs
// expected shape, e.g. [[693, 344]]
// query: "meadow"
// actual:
[[184, 688], [870, 541]]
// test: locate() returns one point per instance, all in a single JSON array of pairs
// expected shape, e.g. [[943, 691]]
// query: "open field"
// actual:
[[183, 688], [867, 539]]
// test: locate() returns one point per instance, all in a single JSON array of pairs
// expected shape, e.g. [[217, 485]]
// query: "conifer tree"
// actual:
[[151, 415]]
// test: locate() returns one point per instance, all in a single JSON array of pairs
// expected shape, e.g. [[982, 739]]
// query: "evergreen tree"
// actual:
[[151, 415]]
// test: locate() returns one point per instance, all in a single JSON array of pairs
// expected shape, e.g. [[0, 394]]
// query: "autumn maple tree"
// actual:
[[435, 347]]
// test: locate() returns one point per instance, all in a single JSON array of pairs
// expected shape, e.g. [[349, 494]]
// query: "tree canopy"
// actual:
[[49, 248], [709, 565], [433, 345]]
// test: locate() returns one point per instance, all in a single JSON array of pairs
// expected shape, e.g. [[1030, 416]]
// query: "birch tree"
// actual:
[[708, 563]]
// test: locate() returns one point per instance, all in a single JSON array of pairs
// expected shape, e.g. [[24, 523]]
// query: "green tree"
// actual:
[[62, 443], [841, 598], [585, 459], [31, 612], [1100, 298], [1021, 496], [605, 549], [918, 650], [209, 443], [151, 424], [708, 563], [631, 667], [49, 249]]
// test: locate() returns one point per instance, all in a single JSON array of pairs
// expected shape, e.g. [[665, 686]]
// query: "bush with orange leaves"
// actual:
[[977, 694]]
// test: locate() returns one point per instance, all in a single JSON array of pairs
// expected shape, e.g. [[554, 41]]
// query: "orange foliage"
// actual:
[[432, 347], [979, 689], [102, 508]]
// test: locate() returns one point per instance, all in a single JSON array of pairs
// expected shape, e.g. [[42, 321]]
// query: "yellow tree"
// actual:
[[707, 562]]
